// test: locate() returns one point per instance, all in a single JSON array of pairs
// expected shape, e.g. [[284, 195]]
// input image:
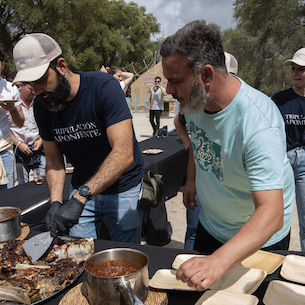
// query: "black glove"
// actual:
[[55, 205], [66, 216]]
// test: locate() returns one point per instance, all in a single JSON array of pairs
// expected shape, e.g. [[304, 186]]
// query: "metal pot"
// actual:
[[9, 223], [123, 290]]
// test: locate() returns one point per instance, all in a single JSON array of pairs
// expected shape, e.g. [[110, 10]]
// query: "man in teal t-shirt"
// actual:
[[237, 162]]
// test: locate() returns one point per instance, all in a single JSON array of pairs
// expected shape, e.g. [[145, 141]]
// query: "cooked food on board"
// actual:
[[153, 151], [26, 283]]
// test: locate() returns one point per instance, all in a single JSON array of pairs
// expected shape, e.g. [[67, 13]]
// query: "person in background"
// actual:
[[156, 103], [28, 148], [180, 123], [8, 92], [84, 116], [237, 162], [123, 77], [291, 103]]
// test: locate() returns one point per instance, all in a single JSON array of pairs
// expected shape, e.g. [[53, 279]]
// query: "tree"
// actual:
[[267, 33], [90, 32]]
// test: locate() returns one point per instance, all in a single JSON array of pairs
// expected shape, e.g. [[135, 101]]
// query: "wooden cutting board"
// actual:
[[79, 296]]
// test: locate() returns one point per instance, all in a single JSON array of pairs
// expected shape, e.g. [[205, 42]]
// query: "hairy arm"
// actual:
[[120, 137], [55, 171]]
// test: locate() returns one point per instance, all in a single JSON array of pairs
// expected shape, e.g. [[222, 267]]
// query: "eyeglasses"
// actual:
[[157, 81]]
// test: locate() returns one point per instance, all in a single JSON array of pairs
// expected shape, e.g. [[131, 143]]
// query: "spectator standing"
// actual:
[[28, 148], [7, 160], [291, 103], [237, 162], [156, 103], [123, 77], [84, 116]]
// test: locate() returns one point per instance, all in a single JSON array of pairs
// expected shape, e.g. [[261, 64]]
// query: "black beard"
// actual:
[[197, 99], [57, 100]]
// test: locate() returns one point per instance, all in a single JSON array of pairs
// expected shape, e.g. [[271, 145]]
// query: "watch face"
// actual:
[[84, 191]]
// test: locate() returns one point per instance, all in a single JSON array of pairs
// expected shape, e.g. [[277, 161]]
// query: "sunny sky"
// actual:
[[174, 14]]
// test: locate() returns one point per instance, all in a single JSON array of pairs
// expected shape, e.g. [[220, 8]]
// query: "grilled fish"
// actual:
[[25, 283]]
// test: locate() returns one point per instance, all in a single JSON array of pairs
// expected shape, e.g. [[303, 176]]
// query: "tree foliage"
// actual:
[[90, 32], [267, 33]]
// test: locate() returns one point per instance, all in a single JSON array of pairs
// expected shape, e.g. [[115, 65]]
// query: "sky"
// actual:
[[174, 14]]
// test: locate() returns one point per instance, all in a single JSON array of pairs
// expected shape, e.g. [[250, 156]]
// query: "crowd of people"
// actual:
[[245, 162]]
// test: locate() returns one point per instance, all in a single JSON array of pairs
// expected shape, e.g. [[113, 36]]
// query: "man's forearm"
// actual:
[[55, 177], [17, 116], [260, 227], [110, 171]]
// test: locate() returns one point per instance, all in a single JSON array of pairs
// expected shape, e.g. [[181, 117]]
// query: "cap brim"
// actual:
[[32, 74], [294, 61]]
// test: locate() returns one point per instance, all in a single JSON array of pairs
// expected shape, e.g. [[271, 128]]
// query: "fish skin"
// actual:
[[28, 284], [75, 250]]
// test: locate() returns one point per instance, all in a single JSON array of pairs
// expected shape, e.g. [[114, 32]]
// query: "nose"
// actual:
[[36, 88], [170, 88]]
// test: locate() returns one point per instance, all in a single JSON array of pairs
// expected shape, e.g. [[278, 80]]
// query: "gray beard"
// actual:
[[197, 99]]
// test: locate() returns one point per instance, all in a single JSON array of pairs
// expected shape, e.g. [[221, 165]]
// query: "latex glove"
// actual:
[[66, 216], [55, 205]]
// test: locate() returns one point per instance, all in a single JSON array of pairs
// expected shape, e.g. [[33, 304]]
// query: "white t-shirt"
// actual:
[[238, 150], [122, 83], [29, 132], [157, 102], [7, 91]]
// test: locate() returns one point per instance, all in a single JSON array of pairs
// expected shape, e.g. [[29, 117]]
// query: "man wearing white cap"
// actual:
[[291, 103], [84, 116]]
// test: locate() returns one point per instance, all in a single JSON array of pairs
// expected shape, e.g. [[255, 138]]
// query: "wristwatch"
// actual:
[[85, 191]]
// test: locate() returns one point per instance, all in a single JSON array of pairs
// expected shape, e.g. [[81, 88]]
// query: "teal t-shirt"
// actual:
[[238, 150]]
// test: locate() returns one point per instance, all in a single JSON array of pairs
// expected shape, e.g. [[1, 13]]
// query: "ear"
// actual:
[[61, 66], [206, 75]]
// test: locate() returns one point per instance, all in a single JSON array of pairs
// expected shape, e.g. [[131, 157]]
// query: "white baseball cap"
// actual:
[[33, 54], [231, 63], [298, 58]]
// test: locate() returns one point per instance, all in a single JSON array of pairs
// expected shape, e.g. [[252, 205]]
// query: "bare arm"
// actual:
[[127, 77], [163, 90], [23, 147], [264, 222], [182, 132], [189, 190], [16, 113], [103, 69], [55, 171], [120, 158]]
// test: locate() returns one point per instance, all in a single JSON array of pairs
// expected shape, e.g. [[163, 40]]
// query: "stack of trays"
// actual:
[[234, 287]]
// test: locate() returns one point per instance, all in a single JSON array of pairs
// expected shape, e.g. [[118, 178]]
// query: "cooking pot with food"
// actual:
[[117, 276], [9, 223]]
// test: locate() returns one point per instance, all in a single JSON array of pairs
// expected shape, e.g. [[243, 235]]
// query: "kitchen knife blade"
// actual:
[[36, 246]]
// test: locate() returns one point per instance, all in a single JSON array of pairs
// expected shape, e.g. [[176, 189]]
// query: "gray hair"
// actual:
[[199, 43]]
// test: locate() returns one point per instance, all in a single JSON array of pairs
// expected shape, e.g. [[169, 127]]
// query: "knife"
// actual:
[[36, 246]]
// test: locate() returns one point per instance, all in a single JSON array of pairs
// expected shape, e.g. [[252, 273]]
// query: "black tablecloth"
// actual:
[[162, 258], [171, 163]]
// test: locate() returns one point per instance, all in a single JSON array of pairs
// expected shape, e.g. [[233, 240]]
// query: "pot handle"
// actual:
[[129, 293]]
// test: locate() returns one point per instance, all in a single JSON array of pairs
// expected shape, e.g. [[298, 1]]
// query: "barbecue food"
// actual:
[[26, 283]]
